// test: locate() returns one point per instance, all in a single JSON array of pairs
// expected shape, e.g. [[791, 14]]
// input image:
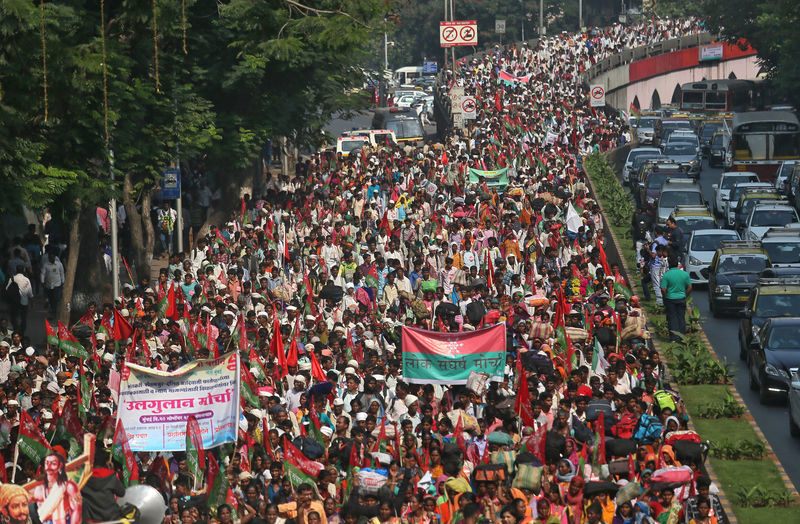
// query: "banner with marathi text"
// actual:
[[448, 358], [154, 406], [497, 178]]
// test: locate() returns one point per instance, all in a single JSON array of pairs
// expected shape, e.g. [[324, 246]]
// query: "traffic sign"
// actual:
[[456, 94], [430, 67], [171, 184], [468, 107], [458, 121], [458, 33], [597, 96], [500, 27]]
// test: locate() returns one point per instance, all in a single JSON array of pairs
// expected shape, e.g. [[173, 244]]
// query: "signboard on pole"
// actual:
[[469, 107], [155, 405], [500, 27], [458, 33], [171, 184], [458, 121], [430, 67], [456, 94], [597, 95]]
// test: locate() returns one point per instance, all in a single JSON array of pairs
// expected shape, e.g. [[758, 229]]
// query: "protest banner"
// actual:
[[448, 358], [155, 405]]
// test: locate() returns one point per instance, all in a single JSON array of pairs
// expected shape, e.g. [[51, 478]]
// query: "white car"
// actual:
[[632, 155], [722, 189], [409, 100], [766, 216], [733, 198], [700, 249]]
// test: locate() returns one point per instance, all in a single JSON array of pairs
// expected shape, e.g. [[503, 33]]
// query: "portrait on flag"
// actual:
[[155, 406], [448, 358]]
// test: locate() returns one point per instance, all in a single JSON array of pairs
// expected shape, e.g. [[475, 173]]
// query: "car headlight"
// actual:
[[692, 162], [771, 370], [752, 235], [755, 330], [723, 289], [651, 200], [693, 261]]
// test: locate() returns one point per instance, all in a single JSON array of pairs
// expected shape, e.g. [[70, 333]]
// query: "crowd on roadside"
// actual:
[[336, 260]]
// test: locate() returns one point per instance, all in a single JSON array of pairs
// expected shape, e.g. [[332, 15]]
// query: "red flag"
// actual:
[[489, 271], [211, 342], [130, 467], [523, 402], [385, 222], [601, 440], [267, 443], [291, 356], [309, 293], [122, 328], [316, 370], [87, 320], [213, 469], [458, 433], [172, 308], [603, 259], [244, 208], [536, 443], [497, 103], [160, 469], [445, 160], [71, 420], [631, 469], [276, 345]]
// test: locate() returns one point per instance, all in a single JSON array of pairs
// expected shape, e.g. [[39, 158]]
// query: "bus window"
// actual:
[[785, 146], [693, 99], [749, 147], [716, 100]]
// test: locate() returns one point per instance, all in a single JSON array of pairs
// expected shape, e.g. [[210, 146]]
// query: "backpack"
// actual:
[[13, 295], [625, 427], [648, 430], [664, 400], [581, 431]]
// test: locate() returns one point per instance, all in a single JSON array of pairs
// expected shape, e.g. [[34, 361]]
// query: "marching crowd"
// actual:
[[313, 281]]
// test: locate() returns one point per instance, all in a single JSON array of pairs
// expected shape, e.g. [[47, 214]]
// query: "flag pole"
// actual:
[[16, 456]]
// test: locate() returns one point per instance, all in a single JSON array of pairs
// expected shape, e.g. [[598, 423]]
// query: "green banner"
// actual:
[[497, 178]]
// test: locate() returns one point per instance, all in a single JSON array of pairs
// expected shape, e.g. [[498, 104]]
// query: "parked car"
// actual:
[[769, 298], [722, 189], [702, 245], [765, 216], [733, 271], [633, 154], [773, 356]]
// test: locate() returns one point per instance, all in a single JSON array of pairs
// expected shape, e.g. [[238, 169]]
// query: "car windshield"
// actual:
[[680, 148], [784, 337], [783, 252], [670, 199], [710, 242], [772, 217], [737, 191], [641, 159], [717, 140], [777, 305], [405, 128], [742, 264], [349, 145], [647, 123], [633, 155], [709, 130], [690, 224], [729, 182], [655, 180]]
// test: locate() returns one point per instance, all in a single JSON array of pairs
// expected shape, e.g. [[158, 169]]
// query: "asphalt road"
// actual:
[[723, 332]]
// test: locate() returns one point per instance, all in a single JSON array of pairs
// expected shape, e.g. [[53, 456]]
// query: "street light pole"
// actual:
[[541, 18], [179, 201], [580, 15]]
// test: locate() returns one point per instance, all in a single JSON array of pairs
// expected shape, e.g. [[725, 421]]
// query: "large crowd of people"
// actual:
[[334, 262]]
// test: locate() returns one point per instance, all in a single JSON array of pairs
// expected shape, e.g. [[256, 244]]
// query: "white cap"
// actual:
[[100, 336], [349, 370], [312, 318], [326, 430], [410, 399], [338, 402], [300, 378], [109, 357], [361, 416]]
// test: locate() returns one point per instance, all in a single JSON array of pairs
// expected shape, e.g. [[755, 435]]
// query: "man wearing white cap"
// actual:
[[412, 404], [293, 395]]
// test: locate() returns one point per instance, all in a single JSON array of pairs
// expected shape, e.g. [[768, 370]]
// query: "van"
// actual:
[[347, 144], [376, 137], [405, 124]]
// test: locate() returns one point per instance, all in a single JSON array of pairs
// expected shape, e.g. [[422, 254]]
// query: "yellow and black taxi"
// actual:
[[733, 272], [769, 298], [691, 218]]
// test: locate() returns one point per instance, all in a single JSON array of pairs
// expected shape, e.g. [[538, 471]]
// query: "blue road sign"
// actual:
[[171, 184]]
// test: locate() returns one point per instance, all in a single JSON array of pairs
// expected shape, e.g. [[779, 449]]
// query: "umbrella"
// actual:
[[331, 292]]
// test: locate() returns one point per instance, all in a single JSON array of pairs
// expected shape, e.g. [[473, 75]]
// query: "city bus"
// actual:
[[761, 141], [719, 96]]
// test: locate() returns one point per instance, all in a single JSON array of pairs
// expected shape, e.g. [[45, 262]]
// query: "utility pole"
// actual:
[[445, 19], [541, 19], [114, 232], [452, 19], [580, 15]]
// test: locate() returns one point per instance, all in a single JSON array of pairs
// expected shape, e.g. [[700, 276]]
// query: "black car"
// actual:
[[716, 150], [734, 270], [769, 298], [772, 357]]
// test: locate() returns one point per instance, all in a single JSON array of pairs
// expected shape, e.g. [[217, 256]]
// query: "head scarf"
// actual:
[[9, 491]]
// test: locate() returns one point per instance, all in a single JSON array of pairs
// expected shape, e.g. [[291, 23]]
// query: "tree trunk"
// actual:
[[71, 266], [141, 228]]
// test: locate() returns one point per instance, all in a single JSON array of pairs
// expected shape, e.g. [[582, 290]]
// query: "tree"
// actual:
[[770, 27]]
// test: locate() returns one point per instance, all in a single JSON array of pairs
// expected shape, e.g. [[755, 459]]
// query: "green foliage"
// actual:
[[759, 497], [727, 408], [617, 204], [749, 449], [691, 362], [770, 26], [692, 317]]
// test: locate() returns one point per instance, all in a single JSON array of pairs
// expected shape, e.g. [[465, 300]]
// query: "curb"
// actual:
[[723, 497]]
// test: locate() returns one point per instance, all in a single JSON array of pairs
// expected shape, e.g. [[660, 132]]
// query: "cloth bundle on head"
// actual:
[[458, 485]]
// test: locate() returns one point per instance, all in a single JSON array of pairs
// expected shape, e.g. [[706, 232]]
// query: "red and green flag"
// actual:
[[121, 452], [69, 344], [30, 441], [195, 456], [371, 278], [620, 286], [256, 367], [52, 335], [248, 388], [599, 455]]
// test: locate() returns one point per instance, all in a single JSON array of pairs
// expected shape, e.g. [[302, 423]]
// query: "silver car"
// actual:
[[685, 154]]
